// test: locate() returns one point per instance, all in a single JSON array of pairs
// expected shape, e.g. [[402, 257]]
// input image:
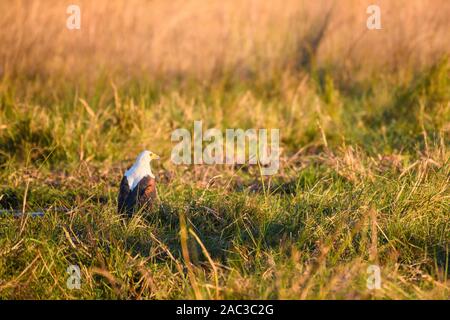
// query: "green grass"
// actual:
[[363, 180]]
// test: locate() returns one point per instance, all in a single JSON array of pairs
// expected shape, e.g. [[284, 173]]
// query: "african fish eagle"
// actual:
[[138, 186]]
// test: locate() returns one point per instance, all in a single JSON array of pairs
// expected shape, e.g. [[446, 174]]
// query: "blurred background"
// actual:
[[208, 39], [310, 67]]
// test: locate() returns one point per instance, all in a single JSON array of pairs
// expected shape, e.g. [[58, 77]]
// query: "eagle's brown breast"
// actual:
[[141, 197]]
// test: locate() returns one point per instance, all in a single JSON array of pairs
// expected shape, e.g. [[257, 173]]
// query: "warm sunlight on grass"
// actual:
[[364, 119]]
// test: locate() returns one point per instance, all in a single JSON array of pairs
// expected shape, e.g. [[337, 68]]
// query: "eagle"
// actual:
[[138, 186]]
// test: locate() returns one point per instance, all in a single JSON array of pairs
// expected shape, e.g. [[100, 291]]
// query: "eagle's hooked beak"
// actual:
[[154, 157]]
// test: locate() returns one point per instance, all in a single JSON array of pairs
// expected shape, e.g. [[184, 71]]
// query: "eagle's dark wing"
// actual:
[[142, 196], [124, 192]]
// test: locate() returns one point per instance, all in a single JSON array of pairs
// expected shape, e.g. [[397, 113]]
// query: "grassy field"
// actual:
[[364, 119]]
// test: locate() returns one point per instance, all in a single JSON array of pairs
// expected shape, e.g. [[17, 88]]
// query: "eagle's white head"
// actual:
[[140, 168], [145, 157]]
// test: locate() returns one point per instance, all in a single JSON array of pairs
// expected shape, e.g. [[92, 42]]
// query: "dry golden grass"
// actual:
[[203, 38]]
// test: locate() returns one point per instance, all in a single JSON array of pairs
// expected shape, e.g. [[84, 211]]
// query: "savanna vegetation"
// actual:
[[364, 119]]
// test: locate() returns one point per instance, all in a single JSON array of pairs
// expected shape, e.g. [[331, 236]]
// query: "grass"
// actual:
[[363, 178]]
